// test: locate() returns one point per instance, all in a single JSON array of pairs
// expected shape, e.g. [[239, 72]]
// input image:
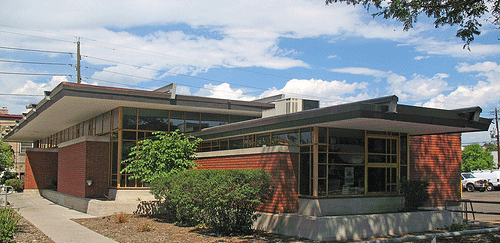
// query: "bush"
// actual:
[[16, 184], [8, 224], [224, 200], [7, 175], [416, 193]]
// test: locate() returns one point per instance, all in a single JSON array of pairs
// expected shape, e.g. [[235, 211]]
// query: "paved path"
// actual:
[[54, 220], [493, 196]]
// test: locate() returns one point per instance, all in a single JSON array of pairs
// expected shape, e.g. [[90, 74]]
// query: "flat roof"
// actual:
[[381, 114], [70, 103]]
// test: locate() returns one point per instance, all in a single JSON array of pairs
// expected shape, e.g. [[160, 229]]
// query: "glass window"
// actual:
[[382, 179], [235, 118], [213, 120], [177, 114], [24, 146], [192, 122], [263, 139], [305, 136], [106, 122], [305, 174], [346, 180], [98, 124], [116, 119], [126, 149], [177, 124], [286, 137], [236, 143], [129, 135], [129, 120], [349, 141], [153, 120]]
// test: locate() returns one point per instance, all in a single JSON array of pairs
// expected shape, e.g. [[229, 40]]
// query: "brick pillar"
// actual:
[[438, 159], [81, 160], [41, 168]]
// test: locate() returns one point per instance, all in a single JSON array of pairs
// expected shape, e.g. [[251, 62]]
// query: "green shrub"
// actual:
[[7, 175], [8, 224], [415, 193], [16, 184], [224, 200]]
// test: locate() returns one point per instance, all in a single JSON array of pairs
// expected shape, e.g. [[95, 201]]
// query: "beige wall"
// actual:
[[19, 158]]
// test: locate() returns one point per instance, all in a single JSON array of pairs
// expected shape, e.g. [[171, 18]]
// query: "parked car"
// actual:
[[471, 183], [492, 176]]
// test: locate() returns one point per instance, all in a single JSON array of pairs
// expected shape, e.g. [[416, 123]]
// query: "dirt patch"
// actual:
[[27, 232], [136, 228]]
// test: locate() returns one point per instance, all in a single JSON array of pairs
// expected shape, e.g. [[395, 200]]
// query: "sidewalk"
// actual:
[[54, 220]]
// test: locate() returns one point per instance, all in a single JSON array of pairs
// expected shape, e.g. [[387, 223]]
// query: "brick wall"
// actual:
[[71, 178], [41, 169], [83, 161], [283, 169], [437, 158], [97, 169]]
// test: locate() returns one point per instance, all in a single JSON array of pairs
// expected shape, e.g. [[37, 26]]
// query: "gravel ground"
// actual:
[[26, 232], [137, 228]]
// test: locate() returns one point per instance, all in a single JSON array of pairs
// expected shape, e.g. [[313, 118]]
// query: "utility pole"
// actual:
[[78, 58], [498, 139]]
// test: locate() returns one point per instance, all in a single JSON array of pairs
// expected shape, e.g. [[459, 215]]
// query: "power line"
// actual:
[[47, 38], [20, 95], [139, 50], [36, 74], [35, 50], [42, 63]]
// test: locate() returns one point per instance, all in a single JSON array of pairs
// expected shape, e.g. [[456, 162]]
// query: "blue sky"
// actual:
[[245, 50]]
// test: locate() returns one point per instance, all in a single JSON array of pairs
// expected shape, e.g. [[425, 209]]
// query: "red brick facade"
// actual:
[[438, 159], [283, 169], [80, 162], [41, 169]]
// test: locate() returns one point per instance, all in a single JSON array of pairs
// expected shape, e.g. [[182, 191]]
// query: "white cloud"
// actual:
[[483, 93], [31, 87], [418, 58], [417, 88], [223, 91], [326, 91]]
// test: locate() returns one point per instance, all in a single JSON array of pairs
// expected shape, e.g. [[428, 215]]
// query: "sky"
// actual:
[[245, 50]]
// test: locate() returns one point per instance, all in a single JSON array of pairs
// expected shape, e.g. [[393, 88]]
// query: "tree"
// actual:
[[475, 158], [6, 156], [491, 147], [169, 153], [445, 12]]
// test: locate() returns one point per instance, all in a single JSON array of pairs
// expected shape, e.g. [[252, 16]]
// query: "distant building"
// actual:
[[6, 121]]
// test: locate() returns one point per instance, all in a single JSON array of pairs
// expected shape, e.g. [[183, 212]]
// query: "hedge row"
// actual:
[[224, 200]]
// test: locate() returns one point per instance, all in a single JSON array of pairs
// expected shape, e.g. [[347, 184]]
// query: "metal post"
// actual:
[[497, 135]]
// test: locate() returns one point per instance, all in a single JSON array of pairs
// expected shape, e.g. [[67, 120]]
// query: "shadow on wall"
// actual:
[[353, 227], [438, 159], [283, 170]]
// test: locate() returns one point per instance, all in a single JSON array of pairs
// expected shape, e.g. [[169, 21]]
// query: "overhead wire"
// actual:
[[41, 63], [155, 53]]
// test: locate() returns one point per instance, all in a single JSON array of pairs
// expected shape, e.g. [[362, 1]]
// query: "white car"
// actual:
[[471, 183]]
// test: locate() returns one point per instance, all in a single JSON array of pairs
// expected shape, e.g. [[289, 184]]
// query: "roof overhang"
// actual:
[[382, 114], [69, 104]]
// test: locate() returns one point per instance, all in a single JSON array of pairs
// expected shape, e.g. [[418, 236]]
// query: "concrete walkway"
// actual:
[[54, 220]]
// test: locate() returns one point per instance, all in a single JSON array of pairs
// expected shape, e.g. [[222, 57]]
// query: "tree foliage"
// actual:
[[491, 147], [170, 153], [474, 157], [6, 156], [466, 14]]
